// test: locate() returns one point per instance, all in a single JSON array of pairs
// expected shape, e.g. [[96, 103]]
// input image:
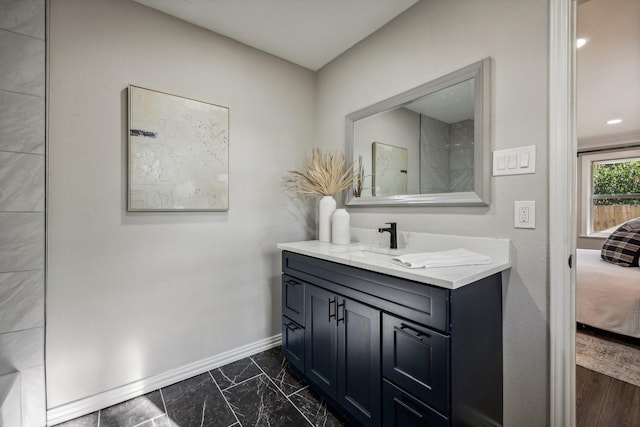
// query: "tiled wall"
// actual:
[[22, 205], [461, 156], [446, 156], [434, 155]]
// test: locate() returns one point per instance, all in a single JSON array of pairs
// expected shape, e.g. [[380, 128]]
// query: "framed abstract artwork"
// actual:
[[178, 153]]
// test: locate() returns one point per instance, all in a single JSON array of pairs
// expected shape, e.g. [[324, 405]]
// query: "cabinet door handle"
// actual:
[[332, 301], [292, 282], [407, 407], [341, 319], [417, 335], [292, 327]]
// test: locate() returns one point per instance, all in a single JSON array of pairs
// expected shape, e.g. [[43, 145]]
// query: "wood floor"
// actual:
[[602, 401]]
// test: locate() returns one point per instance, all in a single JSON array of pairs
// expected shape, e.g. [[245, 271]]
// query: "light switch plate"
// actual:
[[514, 161], [524, 214]]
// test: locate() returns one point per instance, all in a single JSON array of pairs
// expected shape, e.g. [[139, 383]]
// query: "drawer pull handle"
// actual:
[[341, 319], [292, 327], [417, 335], [332, 301], [407, 407], [292, 282]]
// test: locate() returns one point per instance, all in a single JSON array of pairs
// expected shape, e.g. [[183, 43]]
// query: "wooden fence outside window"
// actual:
[[607, 217]]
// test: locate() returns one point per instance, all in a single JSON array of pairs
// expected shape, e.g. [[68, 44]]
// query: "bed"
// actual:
[[607, 295]]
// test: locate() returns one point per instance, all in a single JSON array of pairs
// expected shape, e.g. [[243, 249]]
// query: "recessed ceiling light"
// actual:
[[614, 121], [581, 42]]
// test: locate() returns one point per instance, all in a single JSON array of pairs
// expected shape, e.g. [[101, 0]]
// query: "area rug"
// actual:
[[614, 358]]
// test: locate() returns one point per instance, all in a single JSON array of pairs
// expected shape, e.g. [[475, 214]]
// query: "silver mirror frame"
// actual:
[[481, 196]]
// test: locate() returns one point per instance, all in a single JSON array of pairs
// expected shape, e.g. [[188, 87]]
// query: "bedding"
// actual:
[[622, 247], [607, 295]]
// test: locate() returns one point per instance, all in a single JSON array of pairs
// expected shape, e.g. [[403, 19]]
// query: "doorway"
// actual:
[[607, 389]]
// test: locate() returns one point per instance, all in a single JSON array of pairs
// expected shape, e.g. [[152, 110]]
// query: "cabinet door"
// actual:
[[403, 410], [417, 359], [293, 342], [321, 338], [359, 387]]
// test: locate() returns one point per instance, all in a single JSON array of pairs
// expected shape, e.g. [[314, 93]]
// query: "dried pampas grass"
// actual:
[[325, 175]]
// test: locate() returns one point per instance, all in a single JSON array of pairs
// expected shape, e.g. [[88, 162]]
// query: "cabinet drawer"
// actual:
[[416, 358], [403, 410], [293, 343], [293, 299]]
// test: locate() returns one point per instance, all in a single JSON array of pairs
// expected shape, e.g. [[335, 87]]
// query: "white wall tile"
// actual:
[[33, 397], [21, 241], [23, 16], [21, 182], [21, 350], [22, 65], [21, 123], [21, 300], [10, 399]]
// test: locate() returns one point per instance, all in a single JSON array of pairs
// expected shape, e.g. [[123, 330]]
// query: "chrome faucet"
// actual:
[[393, 241]]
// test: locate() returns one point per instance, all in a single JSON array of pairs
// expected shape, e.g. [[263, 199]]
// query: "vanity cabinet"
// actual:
[[394, 352], [293, 321], [342, 352]]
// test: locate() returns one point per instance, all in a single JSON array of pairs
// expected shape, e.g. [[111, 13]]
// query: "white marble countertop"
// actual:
[[367, 251]]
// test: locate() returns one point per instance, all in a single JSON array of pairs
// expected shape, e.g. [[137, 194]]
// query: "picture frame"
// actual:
[[178, 153]]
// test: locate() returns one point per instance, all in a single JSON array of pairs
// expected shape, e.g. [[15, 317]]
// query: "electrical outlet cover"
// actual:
[[524, 214]]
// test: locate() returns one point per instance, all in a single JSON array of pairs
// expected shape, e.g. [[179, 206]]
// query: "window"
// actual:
[[610, 190]]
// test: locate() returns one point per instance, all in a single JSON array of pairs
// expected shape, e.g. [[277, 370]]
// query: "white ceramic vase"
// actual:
[[340, 233], [325, 209]]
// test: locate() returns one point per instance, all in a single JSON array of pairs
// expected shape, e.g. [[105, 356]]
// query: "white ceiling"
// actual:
[[309, 33], [608, 67]]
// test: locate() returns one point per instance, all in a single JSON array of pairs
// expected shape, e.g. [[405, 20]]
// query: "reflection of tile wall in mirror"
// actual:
[[461, 156], [434, 155], [446, 156]]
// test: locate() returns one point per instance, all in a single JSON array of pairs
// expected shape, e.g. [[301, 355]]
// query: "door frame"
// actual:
[[562, 211]]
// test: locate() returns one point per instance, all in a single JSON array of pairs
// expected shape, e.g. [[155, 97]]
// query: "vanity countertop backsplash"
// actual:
[[369, 250]]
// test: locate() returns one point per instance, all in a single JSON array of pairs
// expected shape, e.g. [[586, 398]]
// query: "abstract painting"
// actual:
[[178, 153]]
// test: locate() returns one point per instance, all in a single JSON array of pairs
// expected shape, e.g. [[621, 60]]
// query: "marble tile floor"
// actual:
[[259, 390]]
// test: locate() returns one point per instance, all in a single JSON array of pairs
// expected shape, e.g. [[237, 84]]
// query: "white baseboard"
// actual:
[[93, 403]]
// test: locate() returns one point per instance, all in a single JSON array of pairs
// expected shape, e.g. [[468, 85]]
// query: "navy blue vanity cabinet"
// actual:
[[293, 321], [387, 351], [322, 339], [416, 358], [293, 299], [402, 409], [343, 352], [293, 342]]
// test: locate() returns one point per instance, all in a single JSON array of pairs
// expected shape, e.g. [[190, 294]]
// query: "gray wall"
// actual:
[[22, 204], [134, 295], [434, 38]]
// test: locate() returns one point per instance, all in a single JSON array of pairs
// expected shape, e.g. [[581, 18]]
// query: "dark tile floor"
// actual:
[[256, 391]]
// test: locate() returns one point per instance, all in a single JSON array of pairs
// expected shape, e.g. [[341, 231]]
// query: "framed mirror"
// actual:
[[442, 131]]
